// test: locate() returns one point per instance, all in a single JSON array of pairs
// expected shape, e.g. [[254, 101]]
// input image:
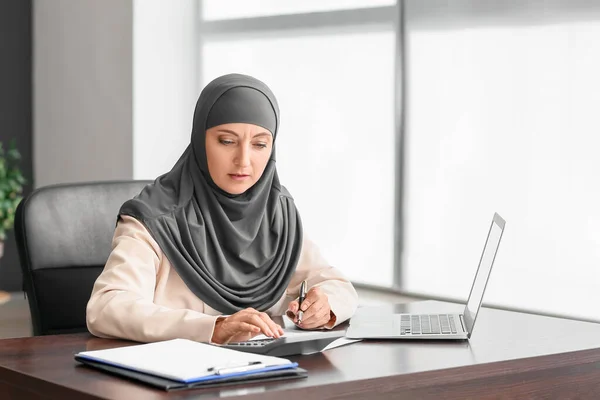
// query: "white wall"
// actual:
[[165, 83], [82, 54]]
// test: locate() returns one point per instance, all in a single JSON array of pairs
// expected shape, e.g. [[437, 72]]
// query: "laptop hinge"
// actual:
[[462, 322]]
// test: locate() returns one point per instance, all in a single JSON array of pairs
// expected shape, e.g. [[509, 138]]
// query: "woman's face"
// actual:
[[237, 155]]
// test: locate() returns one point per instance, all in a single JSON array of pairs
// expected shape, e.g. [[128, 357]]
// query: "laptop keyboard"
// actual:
[[442, 324]]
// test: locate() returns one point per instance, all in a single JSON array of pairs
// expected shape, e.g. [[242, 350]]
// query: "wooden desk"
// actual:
[[510, 355]]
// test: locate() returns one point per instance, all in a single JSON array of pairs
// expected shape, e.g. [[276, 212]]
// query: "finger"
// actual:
[[245, 336], [243, 314], [275, 328], [291, 315], [317, 321], [315, 312], [315, 309], [315, 306], [238, 329], [292, 310], [293, 306], [244, 327], [312, 297], [256, 320]]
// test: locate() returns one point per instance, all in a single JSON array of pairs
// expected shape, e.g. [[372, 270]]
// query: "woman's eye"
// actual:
[[261, 145], [225, 141]]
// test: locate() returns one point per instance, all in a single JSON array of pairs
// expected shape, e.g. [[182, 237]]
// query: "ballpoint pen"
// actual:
[[237, 367], [301, 299]]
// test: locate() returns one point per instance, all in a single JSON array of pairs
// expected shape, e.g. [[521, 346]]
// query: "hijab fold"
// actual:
[[232, 251]]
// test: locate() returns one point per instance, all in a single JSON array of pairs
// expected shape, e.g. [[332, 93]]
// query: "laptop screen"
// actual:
[[483, 271]]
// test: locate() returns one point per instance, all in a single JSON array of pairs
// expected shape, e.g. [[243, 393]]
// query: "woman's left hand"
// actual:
[[315, 306]]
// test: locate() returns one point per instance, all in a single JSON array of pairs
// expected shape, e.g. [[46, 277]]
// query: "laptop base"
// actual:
[[395, 326]]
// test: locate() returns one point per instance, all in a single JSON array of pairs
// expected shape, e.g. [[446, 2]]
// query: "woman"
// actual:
[[214, 247]]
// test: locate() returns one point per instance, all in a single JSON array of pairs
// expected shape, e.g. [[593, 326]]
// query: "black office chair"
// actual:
[[64, 235]]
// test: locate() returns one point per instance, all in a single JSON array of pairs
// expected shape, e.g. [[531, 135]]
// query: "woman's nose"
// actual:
[[243, 156]]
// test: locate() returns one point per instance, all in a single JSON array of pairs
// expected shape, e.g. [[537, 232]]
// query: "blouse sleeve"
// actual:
[[313, 268], [121, 304]]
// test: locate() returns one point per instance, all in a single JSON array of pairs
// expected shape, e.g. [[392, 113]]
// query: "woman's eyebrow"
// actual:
[[234, 133], [228, 131]]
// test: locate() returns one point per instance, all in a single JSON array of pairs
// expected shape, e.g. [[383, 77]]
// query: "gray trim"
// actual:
[[400, 123], [199, 46], [464, 14], [499, 221], [16, 117], [371, 19], [471, 315]]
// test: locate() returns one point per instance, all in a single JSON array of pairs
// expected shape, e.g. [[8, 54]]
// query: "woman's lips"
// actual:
[[239, 177]]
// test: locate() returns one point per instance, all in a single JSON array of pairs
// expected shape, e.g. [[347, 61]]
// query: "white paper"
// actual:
[[340, 342], [178, 359]]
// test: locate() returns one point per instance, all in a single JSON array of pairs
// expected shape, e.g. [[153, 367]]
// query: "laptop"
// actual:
[[435, 325]]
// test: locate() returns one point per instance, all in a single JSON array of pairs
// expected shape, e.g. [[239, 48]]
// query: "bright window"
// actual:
[[336, 150], [228, 9], [503, 116]]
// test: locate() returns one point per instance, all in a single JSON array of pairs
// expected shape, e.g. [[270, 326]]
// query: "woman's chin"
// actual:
[[236, 189]]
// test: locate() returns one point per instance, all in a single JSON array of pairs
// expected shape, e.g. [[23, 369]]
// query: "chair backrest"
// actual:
[[64, 235]]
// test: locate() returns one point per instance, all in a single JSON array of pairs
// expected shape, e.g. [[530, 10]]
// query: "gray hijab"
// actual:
[[232, 251]]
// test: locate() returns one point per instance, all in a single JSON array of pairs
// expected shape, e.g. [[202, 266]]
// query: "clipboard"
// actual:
[[169, 384], [182, 363]]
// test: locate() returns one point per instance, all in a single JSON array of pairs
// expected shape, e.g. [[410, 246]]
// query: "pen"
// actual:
[[301, 299], [237, 367]]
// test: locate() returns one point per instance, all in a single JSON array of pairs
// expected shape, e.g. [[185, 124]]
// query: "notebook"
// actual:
[[182, 363]]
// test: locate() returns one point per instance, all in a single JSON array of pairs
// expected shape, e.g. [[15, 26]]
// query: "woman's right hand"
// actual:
[[244, 325]]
